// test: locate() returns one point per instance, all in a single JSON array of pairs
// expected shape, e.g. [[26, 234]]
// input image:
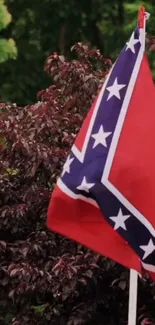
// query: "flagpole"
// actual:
[[133, 293]]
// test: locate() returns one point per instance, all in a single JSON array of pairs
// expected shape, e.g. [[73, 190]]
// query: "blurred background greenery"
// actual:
[[32, 29]]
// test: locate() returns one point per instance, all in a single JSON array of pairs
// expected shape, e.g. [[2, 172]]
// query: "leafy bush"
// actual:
[[45, 278]]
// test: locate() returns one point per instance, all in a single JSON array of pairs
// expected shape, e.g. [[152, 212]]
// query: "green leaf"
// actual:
[[12, 172], [40, 309]]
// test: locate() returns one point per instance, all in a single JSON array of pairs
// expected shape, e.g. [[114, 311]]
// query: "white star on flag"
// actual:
[[114, 90], [119, 220], [100, 137], [85, 186], [66, 167], [131, 43], [148, 249]]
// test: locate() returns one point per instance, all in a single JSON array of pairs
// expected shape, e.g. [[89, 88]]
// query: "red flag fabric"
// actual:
[[104, 198]]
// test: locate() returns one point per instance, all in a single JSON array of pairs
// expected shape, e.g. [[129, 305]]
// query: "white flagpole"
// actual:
[[133, 292]]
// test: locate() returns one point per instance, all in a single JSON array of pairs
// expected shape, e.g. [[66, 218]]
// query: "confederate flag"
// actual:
[[105, 196]]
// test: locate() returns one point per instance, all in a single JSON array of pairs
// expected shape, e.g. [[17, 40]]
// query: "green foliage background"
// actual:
[[41, 27], [7, 46]]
